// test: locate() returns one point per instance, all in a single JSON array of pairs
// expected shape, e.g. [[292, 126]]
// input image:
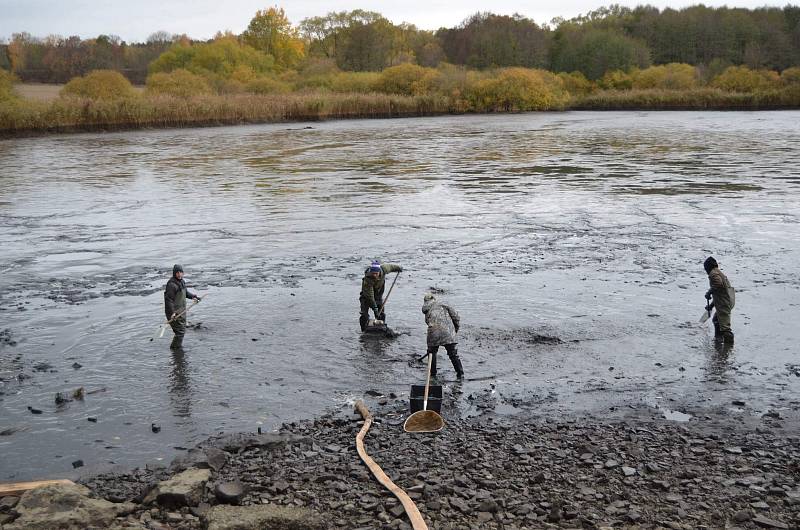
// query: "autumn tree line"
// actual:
[[358, 63], [612, 38]]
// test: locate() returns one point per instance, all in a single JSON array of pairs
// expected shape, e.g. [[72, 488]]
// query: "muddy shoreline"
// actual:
[[487, 471]]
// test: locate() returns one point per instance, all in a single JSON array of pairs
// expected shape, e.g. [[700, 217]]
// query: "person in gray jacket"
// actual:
[[443, 323]]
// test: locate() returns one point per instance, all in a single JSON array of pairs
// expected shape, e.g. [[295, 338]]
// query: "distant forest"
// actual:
[[610, 38]]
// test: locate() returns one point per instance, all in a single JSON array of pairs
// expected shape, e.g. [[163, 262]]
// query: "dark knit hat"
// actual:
[[710, 264], [176, 268]]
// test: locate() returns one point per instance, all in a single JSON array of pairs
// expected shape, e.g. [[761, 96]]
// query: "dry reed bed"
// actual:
[[72, 114], [694, 99], [20, 117]]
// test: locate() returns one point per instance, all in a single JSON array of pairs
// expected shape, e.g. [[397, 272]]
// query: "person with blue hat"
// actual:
[[372, 287]]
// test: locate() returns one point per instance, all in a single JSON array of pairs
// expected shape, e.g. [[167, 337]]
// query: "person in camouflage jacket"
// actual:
[[722, 297], [443, 324]]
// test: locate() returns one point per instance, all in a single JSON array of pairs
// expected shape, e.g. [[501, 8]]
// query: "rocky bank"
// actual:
[[480, 472]]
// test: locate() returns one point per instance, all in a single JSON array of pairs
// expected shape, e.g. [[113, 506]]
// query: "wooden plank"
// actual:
[[18, 488]]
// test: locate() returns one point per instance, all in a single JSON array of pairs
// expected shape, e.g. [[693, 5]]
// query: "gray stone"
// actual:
[[628, 471], [217, 458], [487, 505], [262, 517], [741, 516], [230, 492], [67, 507], [610, 464], [6, 503], [184, 489], [768, 523]]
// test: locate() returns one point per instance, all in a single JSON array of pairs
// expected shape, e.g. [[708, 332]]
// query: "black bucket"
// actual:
[[434, 398]]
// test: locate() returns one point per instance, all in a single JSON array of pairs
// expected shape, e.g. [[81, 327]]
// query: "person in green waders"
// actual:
[[722, 297], [372, 287], [175, 295]]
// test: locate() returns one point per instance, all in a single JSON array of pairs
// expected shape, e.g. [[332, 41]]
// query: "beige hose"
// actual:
[[417, 522]]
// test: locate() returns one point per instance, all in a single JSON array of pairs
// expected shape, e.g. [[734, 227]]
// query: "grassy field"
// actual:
[[43, 92]]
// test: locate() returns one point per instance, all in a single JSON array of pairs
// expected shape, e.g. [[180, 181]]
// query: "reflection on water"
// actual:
[[180, 385], [587, 229]]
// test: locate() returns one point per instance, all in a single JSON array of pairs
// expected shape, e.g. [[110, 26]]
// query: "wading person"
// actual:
[[443, 323], [722, 297], [372, 287], [175, 295]]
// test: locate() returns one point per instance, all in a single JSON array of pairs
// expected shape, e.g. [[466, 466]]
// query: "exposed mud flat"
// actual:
[[571, 244]]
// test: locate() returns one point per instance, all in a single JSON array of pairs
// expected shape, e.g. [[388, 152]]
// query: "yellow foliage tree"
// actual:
[[270, 31], [791, 76], [407, 79], [180, 83], [672, 76], [616, 80], [519, 89], [267, 85], [576, 83], [7, 80], [743, 79], [101, 85]]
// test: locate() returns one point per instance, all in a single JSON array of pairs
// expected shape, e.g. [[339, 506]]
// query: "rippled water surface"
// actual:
[[571, 243]]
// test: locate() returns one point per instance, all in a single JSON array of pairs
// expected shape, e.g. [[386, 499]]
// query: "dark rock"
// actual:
[[742, 516], [77, 463], [155, 427], [92, 419], [34, 411], [217, 458], [230, 492], [7, 503]]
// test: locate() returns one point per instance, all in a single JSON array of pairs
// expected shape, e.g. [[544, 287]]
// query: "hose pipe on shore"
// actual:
[[417, 522]]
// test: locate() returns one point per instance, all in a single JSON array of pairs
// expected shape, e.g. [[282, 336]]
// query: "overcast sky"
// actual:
[[134, 20]]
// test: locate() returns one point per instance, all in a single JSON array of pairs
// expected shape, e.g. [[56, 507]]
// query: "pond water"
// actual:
[[571, 244]]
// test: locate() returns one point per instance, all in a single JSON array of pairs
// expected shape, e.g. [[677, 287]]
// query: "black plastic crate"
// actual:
[[434, 397]]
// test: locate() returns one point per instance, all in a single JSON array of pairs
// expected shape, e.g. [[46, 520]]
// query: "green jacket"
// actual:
[[721, 290], [372, 288]]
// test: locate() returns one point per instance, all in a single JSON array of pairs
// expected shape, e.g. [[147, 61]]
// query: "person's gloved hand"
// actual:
[[708, 296], [399, 269], [197, 298]]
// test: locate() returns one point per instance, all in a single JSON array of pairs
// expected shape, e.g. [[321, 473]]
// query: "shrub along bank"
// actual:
[[105, 100]]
